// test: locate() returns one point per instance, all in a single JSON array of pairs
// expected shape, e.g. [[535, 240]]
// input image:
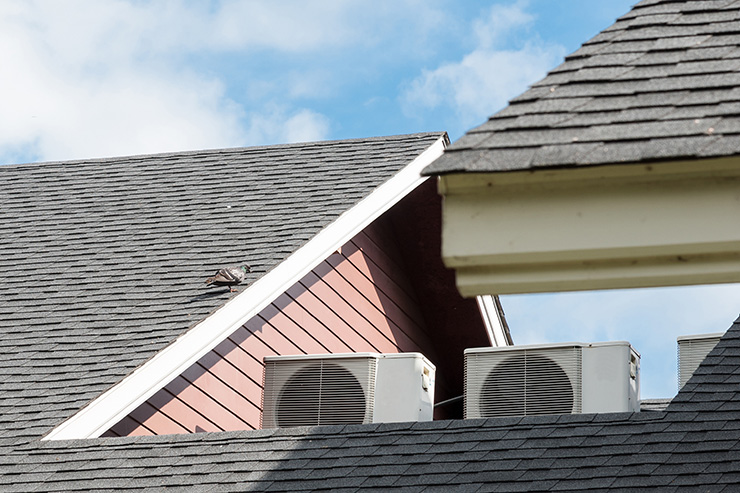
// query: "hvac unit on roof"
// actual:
[[357, 388], [551, 379], [691, 352]]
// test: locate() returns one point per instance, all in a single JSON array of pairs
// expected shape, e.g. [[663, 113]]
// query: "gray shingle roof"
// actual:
[[104, 261], [54, 363], [662, 83], [80, 306], [691, 446]]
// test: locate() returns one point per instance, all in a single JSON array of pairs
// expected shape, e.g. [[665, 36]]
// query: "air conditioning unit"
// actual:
[[691, 352], [313, 390], [567, 378]]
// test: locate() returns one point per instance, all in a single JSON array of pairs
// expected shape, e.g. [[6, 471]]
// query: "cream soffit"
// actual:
[[601, 227], [110, 407]]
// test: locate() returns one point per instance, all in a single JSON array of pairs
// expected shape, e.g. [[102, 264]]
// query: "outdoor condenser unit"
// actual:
[[312, 390], [691, 352], [563, 378]]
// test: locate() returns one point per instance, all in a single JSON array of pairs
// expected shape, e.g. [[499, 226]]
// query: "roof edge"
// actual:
[[113, 405], [440, 167], [216, 150]]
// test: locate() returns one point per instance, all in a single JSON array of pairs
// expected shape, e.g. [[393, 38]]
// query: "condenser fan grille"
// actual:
[[525, 382], [319, 392]]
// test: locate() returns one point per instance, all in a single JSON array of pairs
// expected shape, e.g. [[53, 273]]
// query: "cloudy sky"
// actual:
[[84, 78]]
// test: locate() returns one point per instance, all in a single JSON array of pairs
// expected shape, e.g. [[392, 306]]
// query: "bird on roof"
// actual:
[[229, 276]]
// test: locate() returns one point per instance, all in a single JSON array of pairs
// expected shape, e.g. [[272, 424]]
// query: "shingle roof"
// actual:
[[58, 354], [104, 261], [690, 446], [662, 83]]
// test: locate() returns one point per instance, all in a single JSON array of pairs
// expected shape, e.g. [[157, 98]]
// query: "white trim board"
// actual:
[[492, 320], [593, 227], [116, 403]]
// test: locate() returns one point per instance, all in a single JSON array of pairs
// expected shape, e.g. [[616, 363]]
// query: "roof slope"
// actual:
[[687, 447], [662, 83], [104, 261]]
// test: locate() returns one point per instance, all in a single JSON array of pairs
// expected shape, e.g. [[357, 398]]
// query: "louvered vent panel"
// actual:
[[523, 382], [314, 392], [691, 352]]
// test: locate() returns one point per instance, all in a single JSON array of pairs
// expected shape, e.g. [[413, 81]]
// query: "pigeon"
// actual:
[[229, 276]]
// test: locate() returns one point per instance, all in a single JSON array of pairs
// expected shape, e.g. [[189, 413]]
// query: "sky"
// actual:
[[85, 79]]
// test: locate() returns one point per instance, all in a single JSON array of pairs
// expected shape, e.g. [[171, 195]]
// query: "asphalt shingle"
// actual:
[[683, 447], [101, 235], [620, 91]]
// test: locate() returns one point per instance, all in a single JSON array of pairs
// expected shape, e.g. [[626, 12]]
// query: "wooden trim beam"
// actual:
[[591, 228]]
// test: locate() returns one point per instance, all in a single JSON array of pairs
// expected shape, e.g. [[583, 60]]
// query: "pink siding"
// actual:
[[357, 300]]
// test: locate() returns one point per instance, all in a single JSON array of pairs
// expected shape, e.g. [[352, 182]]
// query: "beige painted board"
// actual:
[[610, 227]]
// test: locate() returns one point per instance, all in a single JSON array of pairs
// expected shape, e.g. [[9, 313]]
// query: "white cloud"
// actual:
[[306, 126], [89, 79], [485, 79], [277, 124], [499, 22], [65, 116]]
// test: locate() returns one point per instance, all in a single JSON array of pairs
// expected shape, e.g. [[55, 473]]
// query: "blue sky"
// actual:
[[83, 79]]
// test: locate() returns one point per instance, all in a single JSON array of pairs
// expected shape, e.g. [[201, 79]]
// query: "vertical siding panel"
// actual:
[[387, 285], [303, 339], [252, 346], [219, 392], [178, 410], [383, 303], [357, 291], [196, 398], [224, 370], [130, 427], [354, 309], [309, 313], [378, 240], [149, 416], [386, 258], [122, 428], [271, 337], [240, 358], [299, 316], [321, 312]]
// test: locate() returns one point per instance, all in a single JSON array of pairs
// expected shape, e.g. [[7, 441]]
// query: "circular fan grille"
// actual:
[[321, 394], [526, 384]]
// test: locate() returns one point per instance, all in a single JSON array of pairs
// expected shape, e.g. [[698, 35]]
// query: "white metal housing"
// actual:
[[311, 390], [566, 378], [692, 350]]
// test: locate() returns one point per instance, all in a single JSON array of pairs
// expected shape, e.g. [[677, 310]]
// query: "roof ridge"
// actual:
[[219, 150]]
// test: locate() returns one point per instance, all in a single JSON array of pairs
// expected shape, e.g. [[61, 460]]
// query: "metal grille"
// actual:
[[691, 352], [523, 382], [313, 392]]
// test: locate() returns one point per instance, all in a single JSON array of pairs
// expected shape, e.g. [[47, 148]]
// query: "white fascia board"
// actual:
[[116, 403], [492, 320], [600, 227]]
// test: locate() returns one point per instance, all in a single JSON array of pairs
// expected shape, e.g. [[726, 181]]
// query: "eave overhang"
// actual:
[[595, 227]]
